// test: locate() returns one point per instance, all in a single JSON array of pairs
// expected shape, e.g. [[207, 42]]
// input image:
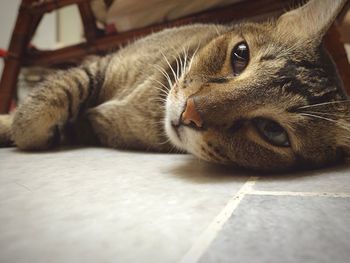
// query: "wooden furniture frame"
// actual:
[[31, 12]]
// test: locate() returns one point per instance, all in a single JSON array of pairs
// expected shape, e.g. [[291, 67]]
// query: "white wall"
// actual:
[[70, 29]]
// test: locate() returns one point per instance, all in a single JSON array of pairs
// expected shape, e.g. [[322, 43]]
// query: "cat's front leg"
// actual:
[[111, 124], [127, 124], [39, 121]]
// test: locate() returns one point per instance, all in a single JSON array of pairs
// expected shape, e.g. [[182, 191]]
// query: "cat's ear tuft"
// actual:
[[312, 20]]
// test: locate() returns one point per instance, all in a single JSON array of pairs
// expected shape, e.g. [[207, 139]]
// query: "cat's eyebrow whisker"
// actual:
[[194, 54], [185, 51], [327, 119], [167, 61], [177, 66], [177, 69], [181, 65], [165, 74], [185, 59], [324, 103]]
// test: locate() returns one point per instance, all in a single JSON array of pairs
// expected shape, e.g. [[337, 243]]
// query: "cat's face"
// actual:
[[262, 96]]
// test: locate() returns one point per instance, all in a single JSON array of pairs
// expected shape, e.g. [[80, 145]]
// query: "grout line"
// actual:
[[306, 194], [209, 234]]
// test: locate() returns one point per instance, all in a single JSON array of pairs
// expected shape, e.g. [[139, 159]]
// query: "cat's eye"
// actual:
[[240, 58], [272, 132]]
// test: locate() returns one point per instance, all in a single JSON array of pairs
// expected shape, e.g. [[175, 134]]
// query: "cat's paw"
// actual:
[[5, 131], [36, 128]]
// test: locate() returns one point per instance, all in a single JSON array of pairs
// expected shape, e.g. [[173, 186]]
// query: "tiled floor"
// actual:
[[284, 229], [102, 205]]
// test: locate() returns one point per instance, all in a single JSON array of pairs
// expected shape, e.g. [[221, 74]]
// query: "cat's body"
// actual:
[[186, 87], [120, 93]]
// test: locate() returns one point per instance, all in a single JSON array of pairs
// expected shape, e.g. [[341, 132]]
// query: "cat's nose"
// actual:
[[191, 115]]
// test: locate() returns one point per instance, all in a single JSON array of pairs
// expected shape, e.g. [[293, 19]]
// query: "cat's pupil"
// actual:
[[273, 128], [240, 58]]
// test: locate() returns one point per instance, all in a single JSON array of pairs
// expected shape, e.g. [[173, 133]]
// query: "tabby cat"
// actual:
[[259, 95]]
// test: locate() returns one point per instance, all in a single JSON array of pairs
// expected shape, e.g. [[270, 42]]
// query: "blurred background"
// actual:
[[57, 29]]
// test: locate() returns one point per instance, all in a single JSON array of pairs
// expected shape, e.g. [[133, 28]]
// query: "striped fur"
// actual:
[[131, 99]]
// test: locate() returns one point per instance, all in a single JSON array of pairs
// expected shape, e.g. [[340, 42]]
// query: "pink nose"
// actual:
[[191, 114]]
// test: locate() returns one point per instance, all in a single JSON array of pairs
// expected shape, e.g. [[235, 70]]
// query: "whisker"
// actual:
[[177, 65], [328, 114], [185, 52], [165, 142], [327, 119], [167, 61], [325, 103], [194, 54], [186, 56], [160, 100], [180, 66], [177, 69], [181, 59], [161, 84], [318, 117], [161, 70], [164, 73], [162, 96]]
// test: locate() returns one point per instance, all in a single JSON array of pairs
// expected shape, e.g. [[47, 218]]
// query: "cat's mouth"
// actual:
[[176, 126]]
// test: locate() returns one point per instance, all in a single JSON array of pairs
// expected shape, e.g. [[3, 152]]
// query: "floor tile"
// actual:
[[101, 205], [334, 180], [284, 229]]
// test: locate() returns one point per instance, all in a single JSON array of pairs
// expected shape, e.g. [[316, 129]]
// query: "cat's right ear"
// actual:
[[310, 21]]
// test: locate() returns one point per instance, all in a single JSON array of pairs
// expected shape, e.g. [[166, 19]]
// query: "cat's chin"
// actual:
[[183, 138]]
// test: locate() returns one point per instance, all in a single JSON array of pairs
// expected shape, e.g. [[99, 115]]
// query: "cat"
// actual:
[[263, 96], [29, 79]]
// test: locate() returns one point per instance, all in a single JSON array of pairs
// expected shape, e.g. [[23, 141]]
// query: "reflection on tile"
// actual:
[[284, 229], [100, 205], [334, 180]]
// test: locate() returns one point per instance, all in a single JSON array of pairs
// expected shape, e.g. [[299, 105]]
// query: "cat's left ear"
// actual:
[[312, 20]]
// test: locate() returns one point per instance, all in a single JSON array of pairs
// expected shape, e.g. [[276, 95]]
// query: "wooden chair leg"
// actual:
[[336, 48], [18, 45], [8, 84], [89, 21]]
